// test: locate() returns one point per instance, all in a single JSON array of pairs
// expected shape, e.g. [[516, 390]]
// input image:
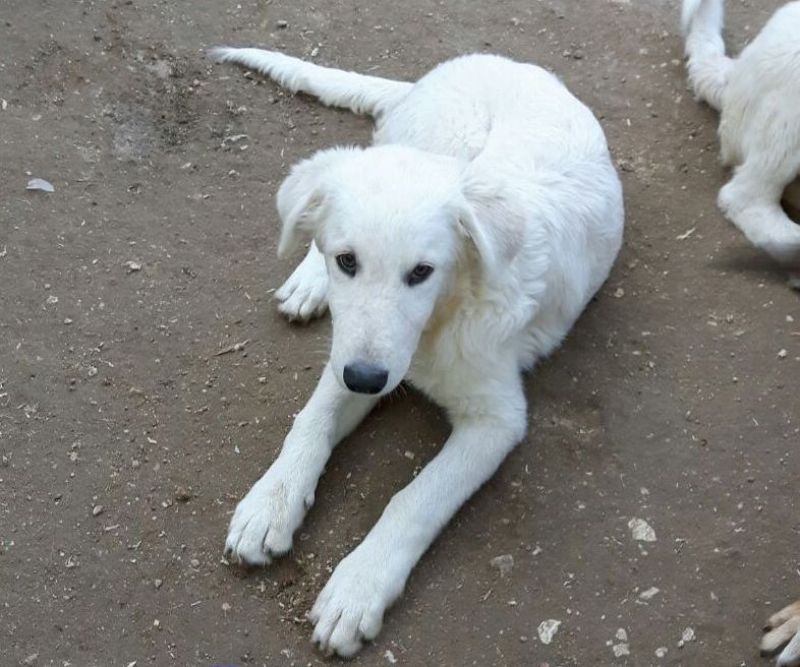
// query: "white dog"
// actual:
[[453, 253], [758, 95]]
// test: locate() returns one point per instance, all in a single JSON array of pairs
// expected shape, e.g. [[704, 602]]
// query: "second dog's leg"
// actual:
[[751, 200], [267, 517], [351, 606], [305, 294]]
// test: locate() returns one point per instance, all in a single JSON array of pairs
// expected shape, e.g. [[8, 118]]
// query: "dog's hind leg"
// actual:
[[305, 294], [751, 200]]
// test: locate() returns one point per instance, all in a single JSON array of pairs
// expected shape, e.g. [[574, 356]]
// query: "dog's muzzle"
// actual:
[[365, 378]]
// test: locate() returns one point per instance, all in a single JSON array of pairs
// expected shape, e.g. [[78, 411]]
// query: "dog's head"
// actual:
[[394, 225]]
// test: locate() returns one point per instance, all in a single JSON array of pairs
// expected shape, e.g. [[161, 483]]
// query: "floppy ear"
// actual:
[[473, 229], [302, 197], [487, 217]]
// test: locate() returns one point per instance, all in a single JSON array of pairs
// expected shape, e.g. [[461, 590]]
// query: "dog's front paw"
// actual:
[[266, 518], [350, 608], [305, 294], [781, 628]]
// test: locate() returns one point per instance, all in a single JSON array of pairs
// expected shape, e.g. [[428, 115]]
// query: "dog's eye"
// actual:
[[420, 273], [347, 263]]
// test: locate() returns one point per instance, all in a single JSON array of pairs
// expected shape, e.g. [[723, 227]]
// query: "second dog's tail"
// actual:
[[357, 92], [708, 65]]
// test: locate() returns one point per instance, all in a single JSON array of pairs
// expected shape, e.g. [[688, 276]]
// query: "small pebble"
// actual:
[[641, 530], [40, 184], [504, 563], [547, 630], [97, 510], [649, 594], [686, 637], [621, 650]]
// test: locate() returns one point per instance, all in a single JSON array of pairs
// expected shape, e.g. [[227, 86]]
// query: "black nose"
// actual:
[[365, 378]]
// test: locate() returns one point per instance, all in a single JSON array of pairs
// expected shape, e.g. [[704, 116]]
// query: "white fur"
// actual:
[[489, 171], [758, 95], [783, 631]]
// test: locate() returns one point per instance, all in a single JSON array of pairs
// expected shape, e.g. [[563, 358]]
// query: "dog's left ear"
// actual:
[[494, 227], [302, 197]]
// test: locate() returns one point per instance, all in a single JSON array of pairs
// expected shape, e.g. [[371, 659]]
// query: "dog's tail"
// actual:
[[360, 93], [708, 65]]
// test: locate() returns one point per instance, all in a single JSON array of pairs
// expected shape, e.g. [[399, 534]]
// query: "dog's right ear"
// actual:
[[488, 219], [302, 197]]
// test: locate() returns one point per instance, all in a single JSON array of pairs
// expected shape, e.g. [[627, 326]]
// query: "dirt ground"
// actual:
[[127, 439]]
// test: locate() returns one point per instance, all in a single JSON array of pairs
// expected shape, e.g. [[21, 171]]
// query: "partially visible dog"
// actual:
[[781, 628], [758, 95], [455, 252]]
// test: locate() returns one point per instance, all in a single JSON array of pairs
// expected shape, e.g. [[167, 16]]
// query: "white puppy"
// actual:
[[758, 95], [453, 253]]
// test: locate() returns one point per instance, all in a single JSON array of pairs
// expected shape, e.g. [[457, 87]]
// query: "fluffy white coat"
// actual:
[[758, 96], [494, 179]]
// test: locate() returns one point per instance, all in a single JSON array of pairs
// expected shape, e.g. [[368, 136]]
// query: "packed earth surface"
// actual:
[[147, 379]]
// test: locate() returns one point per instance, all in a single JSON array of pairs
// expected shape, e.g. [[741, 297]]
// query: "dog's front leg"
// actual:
[[351, 606], [265, 520]]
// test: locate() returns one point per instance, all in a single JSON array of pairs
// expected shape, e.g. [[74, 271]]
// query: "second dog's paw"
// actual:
[[781, 628], [350, 608], [265, 520], [305, 294]]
